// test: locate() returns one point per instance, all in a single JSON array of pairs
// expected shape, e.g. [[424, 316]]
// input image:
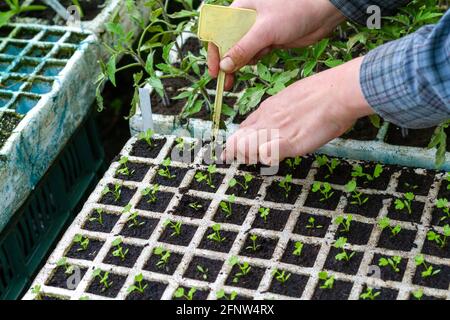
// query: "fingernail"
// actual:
[[227, 65]]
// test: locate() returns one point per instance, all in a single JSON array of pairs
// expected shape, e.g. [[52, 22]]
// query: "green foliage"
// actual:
[[147, 136], [264, 213], [331, 165], [164, 257], [244, 269], [226, 206], [83, 242], [343, 255], [203, 271], [392, 262], [175, 226], [385, 222], [327, 280], [286, 185], [222, 295], [124, 170], [103, 279], [254, 245], [298, 248], [119, 251], [281, 276], [357, 195], [293, 163], [151, 193], [429, 270], [344, 222], [181, 293], [216, 236], [245, 185], [165, 172], [312, 224], [116, 192], [358, 172], [370, 294], [138, 285], [98, 218], [443, 205], [68, 268], [324, 188], [438, 238], [201, 176], [16, 7], [401, 204]]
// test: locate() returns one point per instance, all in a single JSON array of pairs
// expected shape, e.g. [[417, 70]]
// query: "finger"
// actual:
[[229, 154], [274, 151], [213, 60], [247, 147], [247, 4], [229, 81], [251, 119]]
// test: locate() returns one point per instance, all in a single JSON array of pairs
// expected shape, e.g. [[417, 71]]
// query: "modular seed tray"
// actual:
[[46, 78], [196, 205]]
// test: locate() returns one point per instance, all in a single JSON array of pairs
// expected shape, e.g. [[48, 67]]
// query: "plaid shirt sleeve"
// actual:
[[407, 81]]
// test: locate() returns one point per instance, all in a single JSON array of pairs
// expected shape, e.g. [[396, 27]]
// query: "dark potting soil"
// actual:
[[217, 179], [359, 233], [264, 248], [307, 257], [178, 174], [172, 88], [403, 241], [415, 138], [141, 231], [214, 157], [275, 193], [369, 209], [348, 267], [50, 298], [212, 245], [109, 221], [191, 45], [249, 281], [424, 297], [404, 215], [432, 248], [89, 254], [444, 190], [212, 268], [206, 114], [439, 218], [169, 269], [143, 150], [137, 172], [440, 280], [198, 295], [154, 291], [300, 172], [60, 279], [276, 220], [184, 209], [385, 293], [115, 282], [293, 287], [380, 183], [313, 200], [238, 214], [255, 168], [387, 273], [160, 205], [125, 196], [321, 225], [90, 8], [363, 130], [340, 291], [341, 175], [419, 184], [185, 237], [9, 122], [130, 258], [250, 193]]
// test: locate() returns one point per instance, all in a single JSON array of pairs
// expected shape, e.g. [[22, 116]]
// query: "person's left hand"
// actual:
[[305, 116]]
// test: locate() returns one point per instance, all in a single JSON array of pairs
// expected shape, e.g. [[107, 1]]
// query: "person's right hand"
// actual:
[[279, 24]]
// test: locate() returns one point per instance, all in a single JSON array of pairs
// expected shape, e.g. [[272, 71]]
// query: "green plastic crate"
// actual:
[[32, 232]]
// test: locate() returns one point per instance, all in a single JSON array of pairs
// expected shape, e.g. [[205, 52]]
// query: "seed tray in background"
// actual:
[[287, 225]]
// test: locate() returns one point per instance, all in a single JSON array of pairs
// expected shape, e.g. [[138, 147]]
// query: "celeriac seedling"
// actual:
[[132, 220], [36, 290], [443, 204], [324, 189], [385, 222], [119, 252], [330, 164], [222, 295], [369, 294], [102, 279], [401, 204], [195, 205], [358, 172], [344, 222], [117, 192], [164, 257], [254, 246], [328, 281], [244, 269], [357, 195], [200, 176], [83, 242], [247, 179], [137, 285], [418, 294], [392, 262], [293, 163], [312, 224], [264, 213], [439, 239], [226, 206], [175, 226], [68, 268], [429, 270], [124, 170], [286, 184], [216, 236], [99, 217], [298, 248], [151, 193], [180, 293], [147, 136], [166, 171], [281, 276], [343, 255], [203, 271]]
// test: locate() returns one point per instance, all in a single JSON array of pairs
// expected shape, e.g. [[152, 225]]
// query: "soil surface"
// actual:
[[363, 130], [293, 287], [143, 230], [210, 266], [249, 281], [415, 138]]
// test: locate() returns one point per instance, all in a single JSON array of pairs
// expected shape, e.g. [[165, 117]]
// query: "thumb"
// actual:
[[246, 49], [274, 151]]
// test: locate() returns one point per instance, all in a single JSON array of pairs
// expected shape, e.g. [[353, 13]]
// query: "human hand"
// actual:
[[279, 24], [301, 118]]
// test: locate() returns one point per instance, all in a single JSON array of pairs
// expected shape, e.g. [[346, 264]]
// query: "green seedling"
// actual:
[[244, 269], [195, 206], [331, 165], [119, 252], [138, 285], [401, 204], [37, 291], [439, 239], [117, 192], [443, 205], [385, 222], [286, 185], [358, 172], [293, 163], [264, 213], [83, 242], [200, 176], [216, 236], [151, 193], [344, 222], [312, 224], [181, 293], [281, 276], [356, 195], [392, 262], [164, 257], [166, 171], [14, 7], [343, 255], [133, 221], [369, 294], [328, 281], [147, 136], [298, 248], [203, 271], [324, 189], [68, 268], [102, 279], [222, 295], [254, 246], [226, 206], [429, 269], [247, 179], [175, 226], [98, 218], [124, 170], [418, 294]]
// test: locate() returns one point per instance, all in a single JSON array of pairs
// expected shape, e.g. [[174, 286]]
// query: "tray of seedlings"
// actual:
[[44, 96], [166, 222]]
